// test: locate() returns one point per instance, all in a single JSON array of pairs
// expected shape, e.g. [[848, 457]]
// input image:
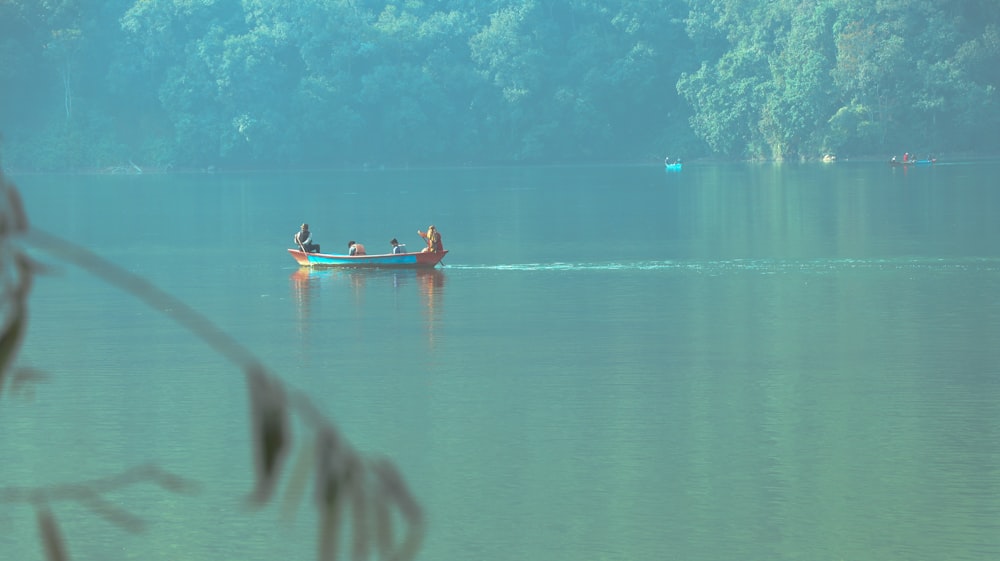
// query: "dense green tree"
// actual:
[[506, 53], [969, 83], [729, 95], [252, 83], [794, 114], [19, 85]]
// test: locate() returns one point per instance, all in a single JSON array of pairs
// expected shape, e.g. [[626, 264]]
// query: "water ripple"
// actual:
[[764, 266]]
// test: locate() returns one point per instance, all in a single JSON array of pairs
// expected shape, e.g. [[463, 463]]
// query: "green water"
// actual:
[[615, 363]]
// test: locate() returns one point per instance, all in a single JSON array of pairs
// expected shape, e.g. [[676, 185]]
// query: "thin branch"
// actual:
[[83, 491], [342, 478], [149, 293]]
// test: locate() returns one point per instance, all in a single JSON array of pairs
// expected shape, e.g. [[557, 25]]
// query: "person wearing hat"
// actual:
[[304, 240], [433, 238], [397, 247]]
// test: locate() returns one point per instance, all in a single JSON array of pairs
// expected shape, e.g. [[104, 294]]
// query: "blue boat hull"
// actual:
[[390, 260]]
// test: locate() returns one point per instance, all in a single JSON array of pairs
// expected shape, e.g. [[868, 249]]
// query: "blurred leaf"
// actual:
[[51, 537], [393, 486], [383, 528], [330, 465], [329, 533], [18, 219], [298, 479], [23, 380], [360, 523], [10, 340], [269, 422]]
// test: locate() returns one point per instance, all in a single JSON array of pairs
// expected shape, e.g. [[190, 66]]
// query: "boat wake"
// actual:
[[762, 266]]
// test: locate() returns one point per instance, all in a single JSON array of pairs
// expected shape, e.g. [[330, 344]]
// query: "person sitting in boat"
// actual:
[[433, 239], [303, 239], [668, 160], [397, 247], [355, 248], [906, 157]]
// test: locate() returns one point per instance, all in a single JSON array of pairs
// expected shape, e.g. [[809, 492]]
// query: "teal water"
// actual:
[[732, 362]]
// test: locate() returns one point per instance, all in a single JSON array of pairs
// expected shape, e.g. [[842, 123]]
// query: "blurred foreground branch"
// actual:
[[369, 493]]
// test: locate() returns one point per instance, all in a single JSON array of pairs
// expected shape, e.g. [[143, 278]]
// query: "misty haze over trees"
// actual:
[[189, 84]]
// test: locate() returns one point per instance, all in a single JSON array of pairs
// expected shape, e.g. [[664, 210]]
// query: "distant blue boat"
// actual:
[[673, 167]]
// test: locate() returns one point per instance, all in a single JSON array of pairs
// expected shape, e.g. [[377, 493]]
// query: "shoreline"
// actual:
[[136, 170]]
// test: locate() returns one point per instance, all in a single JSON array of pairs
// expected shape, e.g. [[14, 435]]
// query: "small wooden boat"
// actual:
[[388, 260]]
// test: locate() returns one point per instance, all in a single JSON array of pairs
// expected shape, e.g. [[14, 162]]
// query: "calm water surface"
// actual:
[[615, 363]]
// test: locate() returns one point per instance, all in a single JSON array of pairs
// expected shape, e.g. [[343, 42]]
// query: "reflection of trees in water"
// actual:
[[366, 495]]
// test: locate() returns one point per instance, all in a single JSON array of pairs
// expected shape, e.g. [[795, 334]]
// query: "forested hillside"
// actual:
[[192, 84]]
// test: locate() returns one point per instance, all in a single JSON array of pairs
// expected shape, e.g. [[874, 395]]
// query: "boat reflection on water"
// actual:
[[303, 289], [309, 284], [432, 289]]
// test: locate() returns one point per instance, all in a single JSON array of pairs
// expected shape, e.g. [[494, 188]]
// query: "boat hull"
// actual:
[[673, 167], [425, 260]]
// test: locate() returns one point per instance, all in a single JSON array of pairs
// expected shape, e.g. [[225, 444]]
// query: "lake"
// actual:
[[732, 362]]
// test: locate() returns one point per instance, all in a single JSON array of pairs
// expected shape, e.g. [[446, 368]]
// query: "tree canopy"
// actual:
[[251, 83]]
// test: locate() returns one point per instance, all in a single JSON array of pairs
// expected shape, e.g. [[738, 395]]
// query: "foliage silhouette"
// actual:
[[370, 490]]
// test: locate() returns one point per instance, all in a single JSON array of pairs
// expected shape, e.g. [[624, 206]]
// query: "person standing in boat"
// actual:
[[303, 239], [433, 239], [397, 247], [355, 248]]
